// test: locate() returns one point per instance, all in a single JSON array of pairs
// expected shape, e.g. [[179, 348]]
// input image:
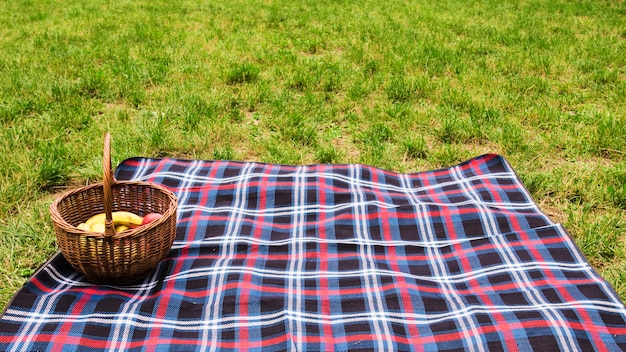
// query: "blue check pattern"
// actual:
[[334, 258]]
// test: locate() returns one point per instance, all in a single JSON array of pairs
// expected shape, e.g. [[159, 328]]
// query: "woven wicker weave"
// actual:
[[114, 258]]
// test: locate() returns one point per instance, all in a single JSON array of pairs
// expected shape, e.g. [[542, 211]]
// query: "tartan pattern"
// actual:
[[334, 258]]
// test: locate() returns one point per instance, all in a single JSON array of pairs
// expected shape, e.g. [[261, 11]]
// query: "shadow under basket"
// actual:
[[115, 258]]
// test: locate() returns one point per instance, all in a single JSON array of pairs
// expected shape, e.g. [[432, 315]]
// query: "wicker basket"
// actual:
[[114, 258]]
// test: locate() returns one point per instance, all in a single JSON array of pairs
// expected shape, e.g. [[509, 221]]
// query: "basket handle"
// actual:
[[108, 181]]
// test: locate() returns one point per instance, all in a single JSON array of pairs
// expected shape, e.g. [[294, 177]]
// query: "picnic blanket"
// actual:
[[334, 258]]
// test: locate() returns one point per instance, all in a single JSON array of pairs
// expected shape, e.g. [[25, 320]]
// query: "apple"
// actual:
[[150, 217]]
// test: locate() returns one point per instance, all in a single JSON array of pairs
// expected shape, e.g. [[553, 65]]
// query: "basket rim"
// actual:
[[67, 227]]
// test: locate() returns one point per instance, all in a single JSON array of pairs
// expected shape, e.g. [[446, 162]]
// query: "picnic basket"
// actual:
[[114, 258]]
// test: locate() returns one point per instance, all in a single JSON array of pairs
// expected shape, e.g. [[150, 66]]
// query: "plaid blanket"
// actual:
[[334, 258]]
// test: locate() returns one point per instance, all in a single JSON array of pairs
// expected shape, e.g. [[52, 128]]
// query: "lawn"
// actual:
[[402, 85]]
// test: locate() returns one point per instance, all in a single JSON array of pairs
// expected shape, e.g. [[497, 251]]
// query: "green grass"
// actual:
[[406, 86]]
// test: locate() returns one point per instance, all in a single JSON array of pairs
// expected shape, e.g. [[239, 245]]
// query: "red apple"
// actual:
[[150, 217]]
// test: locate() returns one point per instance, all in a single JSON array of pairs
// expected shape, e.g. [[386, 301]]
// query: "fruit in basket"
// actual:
[[119, 218], [150, 217], [120, 228], [98, 227], [122, 220]]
